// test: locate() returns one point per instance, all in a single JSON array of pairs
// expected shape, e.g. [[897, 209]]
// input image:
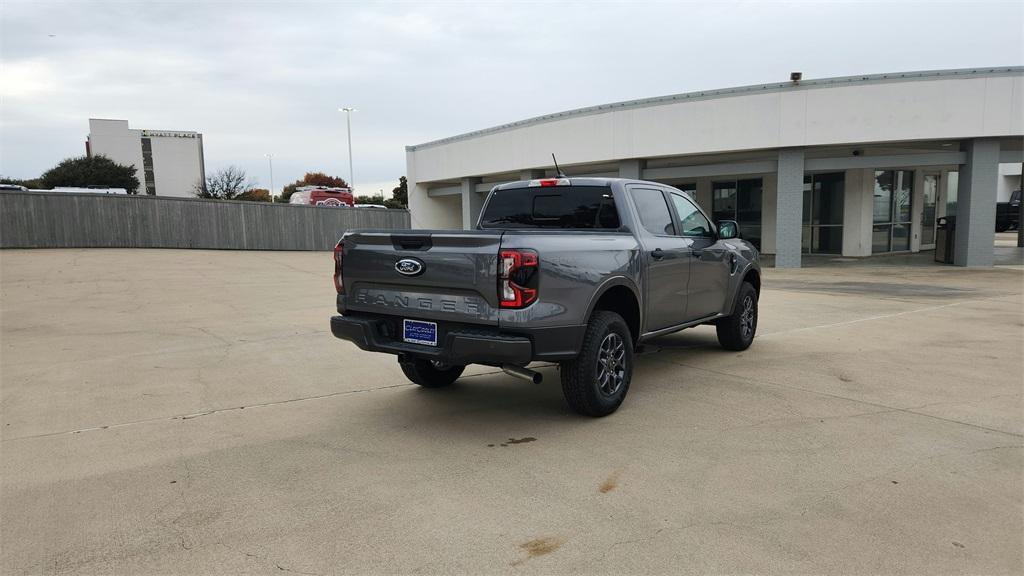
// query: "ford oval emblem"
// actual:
[[409, 266]]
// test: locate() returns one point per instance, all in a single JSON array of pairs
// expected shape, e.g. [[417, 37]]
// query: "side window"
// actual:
[[692, 222], [654, 214]]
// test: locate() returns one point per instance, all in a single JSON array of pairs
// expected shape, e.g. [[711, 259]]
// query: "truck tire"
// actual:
[[429, 375], [596, 381], [736, 332]]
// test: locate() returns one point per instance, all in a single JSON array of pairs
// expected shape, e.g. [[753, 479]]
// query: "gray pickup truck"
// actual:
[[579, 271]]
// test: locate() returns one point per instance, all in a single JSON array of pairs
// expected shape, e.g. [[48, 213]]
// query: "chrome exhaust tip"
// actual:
[[524, 373]]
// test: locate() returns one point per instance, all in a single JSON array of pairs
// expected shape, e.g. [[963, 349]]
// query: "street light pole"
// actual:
[[270, 161], [348, 124]]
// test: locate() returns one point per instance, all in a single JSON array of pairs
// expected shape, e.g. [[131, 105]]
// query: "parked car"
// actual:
[[1008, 213], [579, 271]]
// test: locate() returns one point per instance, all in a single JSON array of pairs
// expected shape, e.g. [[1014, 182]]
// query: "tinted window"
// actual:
[[882, 210], [690, 188], [654, 214], [723, 200], [692, 222], [571, 207]]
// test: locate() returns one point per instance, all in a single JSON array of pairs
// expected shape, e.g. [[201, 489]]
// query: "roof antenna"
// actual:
[[558, 171]]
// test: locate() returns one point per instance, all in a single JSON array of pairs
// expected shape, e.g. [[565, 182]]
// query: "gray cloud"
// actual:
[[268, 77]]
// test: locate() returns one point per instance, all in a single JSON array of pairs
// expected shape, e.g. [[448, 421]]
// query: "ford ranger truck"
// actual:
[[576, 271]]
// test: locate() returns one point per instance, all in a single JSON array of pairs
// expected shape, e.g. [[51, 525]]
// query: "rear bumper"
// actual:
[[459, 347]]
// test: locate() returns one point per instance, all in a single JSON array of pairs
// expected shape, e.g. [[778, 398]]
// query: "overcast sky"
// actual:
[[258, 78]]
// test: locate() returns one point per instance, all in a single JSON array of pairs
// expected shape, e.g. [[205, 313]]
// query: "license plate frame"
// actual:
[[419, 332]]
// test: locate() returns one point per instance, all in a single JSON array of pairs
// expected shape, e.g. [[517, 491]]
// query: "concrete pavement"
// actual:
[[188, 412]]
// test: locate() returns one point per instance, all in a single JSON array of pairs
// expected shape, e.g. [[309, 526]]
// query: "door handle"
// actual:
[[657, 254], [697, 254]]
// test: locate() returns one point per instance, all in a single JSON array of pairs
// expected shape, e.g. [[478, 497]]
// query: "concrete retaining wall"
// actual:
[[67, 220]]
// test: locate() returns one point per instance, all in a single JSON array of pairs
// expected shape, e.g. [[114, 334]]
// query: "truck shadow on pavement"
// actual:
[[490, 396]]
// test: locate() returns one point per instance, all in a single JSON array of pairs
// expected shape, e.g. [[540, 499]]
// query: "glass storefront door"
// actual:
[[891, 212], [929, 200], [739, 200], [824, 195], [952, 187]]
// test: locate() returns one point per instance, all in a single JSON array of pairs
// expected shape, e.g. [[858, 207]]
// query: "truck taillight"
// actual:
[[339, 256], [517, 278]]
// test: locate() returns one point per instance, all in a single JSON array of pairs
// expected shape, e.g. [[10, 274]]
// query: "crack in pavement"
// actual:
[[293, 571], [203, 413], [162, 352], [195, 415], [265, 558]]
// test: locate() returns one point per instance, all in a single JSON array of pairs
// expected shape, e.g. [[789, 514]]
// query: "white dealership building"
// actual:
[[167, 162], [850, 166]]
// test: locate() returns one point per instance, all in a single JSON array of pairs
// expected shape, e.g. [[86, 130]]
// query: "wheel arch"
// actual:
[[619, 295], [753, 276]]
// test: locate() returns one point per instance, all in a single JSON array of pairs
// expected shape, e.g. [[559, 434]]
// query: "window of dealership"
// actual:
[[897, 208], [892, 213], [904, 207], [739, 200], [823, 213]]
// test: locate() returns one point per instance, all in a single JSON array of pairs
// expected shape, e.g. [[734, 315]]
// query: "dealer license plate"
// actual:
[[419, 332]]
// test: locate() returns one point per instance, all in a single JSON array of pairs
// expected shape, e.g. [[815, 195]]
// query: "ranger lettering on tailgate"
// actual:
[[471, 305]]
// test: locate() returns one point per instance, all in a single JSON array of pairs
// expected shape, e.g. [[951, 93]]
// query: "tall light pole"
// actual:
[[348, 123], [270, 161]]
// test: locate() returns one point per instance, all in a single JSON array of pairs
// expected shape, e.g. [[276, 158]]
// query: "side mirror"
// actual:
[[728, 229]]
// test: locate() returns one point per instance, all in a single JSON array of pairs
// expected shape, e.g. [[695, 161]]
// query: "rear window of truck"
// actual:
[[564, 207]]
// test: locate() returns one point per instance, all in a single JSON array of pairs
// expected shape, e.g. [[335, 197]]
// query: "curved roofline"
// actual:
[[740, 90]]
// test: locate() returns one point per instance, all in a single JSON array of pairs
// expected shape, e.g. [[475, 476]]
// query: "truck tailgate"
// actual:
[[456, 279]]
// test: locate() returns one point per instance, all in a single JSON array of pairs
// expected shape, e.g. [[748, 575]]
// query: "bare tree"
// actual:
[[225, 184]]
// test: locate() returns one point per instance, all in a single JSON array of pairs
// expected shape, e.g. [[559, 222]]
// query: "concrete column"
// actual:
[[631, 169], [422, 208], [976, 204], [858, 198], [940, 205], [472, 201], [767, 215], [916, 208], [703, 195], [789, 206], [531, 174]]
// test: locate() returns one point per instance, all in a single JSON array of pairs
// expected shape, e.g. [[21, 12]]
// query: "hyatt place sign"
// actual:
[[160, 133]]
